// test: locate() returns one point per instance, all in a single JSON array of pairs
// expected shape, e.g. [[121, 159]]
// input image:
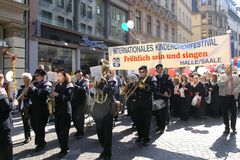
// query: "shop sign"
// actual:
[[93, 44]]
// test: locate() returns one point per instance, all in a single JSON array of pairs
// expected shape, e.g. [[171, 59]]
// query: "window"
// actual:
[[210, 18], [60, 3], [89, 29], [204, 18], [166, 32], [158, 29], [209, 2], [210, 34], [69, 23], [167, 4], [204, 34], [173, 35], [69, 6], [138, 21], [60, 21], [48, 1], [89, 12], [46, 16], [203, 2], [83, 27], [83, 9], [149, 25]]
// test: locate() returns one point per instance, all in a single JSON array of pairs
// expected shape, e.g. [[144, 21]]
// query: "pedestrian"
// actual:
[[63, 93], [199, 110], [78, 103], [185, 97], [25, 105], [6, 147], [229, 88], [175, 98], [38, 93], [147, 86], [214, 108], [164, 90]]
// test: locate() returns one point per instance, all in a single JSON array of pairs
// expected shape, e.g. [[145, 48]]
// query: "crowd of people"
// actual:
[[142, 94]]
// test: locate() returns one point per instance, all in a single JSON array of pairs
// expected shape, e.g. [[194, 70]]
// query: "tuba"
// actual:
[[99, 95]]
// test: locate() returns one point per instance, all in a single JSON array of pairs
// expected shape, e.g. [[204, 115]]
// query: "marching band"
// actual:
[[143, 94]]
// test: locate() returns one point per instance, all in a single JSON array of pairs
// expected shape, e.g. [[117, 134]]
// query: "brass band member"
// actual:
[[5, 123], [24, 105], [78, 103], [63, 109], [38, 93], [147, 86], [103, 115]]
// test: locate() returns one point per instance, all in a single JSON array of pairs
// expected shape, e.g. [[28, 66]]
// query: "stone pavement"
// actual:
[[193, 140]]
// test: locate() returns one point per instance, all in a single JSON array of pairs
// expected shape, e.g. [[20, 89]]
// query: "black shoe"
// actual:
[[101, 156], [226, 131], [39, 148], [62, 153], [234, 131], [161, 132], [78, 135], [27, 140]]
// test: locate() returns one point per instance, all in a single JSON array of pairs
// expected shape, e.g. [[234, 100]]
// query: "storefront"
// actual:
[[53, 58]]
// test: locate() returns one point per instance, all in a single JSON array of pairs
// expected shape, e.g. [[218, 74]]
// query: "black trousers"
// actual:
[[228, 104], [26, 127], [38, 123], [6, 147], [143, 122], [62, 126], [104, 133], [78, 119], [161, 117]]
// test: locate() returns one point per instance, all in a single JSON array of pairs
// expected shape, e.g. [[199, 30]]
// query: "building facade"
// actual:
[[12, 34], [209, 18], [184, 20], [234, 25], [155, 21], [74, 34]]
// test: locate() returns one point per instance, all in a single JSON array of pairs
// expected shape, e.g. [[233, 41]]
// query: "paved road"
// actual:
[[193, 140]]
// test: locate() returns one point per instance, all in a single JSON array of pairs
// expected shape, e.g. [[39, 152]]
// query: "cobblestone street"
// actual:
[[193, 140]]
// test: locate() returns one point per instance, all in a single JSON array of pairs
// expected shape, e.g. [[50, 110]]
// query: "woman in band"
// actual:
[[24, 105], [176, 99], [63, 109], [5, 123]]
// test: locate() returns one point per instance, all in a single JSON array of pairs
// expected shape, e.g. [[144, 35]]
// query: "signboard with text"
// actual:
[[210, 51]]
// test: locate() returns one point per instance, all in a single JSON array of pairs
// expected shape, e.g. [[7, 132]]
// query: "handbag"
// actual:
[[196, 101], [158, 104]]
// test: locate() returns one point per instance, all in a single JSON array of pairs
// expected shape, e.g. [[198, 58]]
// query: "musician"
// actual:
[[24, 105], [39, 92], [63, 96], [164, 89], [143, 109], [6, 147], [78, 103], [103, 116]]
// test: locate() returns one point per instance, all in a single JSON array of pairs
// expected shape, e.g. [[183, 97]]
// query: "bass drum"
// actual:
[[99, 111]]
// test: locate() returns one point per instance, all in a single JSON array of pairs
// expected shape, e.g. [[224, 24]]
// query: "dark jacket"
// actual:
[[164, 84], [5, 114], [79, 93], [64, 98]]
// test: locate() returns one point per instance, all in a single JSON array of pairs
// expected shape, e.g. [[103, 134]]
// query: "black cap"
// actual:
[[40, 72], [78, 71], [159, 65], [142, 68]]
